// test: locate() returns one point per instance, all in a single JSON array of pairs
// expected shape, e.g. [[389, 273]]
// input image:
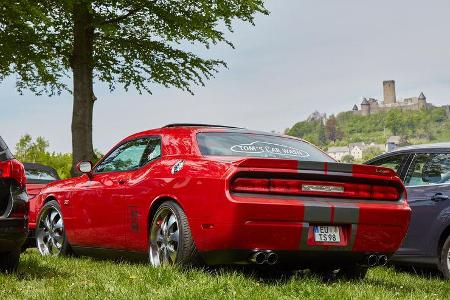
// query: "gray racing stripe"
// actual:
[[346, 214], [311, 165], [318, 212], [338, 167]]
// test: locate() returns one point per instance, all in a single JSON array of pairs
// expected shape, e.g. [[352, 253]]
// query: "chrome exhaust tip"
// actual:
[[258, 257], [272, 258], [372, 260], [382, 260]]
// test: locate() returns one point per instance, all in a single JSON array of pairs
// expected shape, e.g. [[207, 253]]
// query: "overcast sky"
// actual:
[[307, 55]]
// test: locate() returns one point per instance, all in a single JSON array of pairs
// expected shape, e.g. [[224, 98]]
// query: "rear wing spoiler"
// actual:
[[317, 167]]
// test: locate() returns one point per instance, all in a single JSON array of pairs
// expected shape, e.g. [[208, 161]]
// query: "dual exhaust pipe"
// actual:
[[376, 260], [264, 257]]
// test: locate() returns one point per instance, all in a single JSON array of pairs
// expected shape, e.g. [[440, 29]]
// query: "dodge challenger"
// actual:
[[13, 209], [187, 194]]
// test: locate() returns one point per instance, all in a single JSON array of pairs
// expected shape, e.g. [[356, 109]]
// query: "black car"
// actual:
[[14, 208], [425, 171]]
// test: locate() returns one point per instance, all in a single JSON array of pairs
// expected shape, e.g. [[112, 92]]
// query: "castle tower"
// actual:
[[422, 101], [389, 91], [355, 107], [365, 107]]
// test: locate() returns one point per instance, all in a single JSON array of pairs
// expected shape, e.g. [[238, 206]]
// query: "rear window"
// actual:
[[257, 145], [40, 176]]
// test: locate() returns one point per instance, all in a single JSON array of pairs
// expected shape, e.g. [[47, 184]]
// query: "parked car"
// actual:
[[13, 209], [425, 170], [38, 176], [221, 195]]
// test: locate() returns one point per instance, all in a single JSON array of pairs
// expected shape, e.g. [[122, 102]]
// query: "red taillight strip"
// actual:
[[12, 169], [315, 188]]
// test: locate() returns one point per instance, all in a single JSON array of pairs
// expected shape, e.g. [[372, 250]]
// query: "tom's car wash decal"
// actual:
[[258, 147]]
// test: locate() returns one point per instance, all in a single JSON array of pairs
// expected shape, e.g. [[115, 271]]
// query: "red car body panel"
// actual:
[[112, 210], [33, 190]]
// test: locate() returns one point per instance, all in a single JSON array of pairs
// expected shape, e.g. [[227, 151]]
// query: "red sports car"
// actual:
[[220, 195], [38, 176]]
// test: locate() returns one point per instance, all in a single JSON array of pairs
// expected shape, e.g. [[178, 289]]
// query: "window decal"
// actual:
[[258, 147]]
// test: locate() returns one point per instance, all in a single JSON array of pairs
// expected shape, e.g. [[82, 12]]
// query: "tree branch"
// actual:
[[120, 18]]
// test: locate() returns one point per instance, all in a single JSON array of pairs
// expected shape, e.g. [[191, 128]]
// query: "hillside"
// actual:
[[414, 127]]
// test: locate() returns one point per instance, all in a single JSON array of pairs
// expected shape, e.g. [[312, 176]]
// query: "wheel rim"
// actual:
[[164, 238], [448, 260], [50, 232]]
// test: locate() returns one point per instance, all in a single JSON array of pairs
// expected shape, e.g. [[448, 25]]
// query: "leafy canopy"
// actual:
[[136, 42], [415, 127]]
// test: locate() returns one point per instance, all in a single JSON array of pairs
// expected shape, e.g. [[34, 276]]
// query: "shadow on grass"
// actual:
[[33, 268], [424, 272]]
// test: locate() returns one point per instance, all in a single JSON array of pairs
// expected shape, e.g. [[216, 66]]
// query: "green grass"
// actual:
[[85, 278]]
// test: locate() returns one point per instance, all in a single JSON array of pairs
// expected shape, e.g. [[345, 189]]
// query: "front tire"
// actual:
[[50, 231], [444, 264], [9, 261], [170, 237]]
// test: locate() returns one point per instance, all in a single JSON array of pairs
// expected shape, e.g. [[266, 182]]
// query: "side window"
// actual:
[[393, 162], [152, 151], [429, 169], [131, 155]]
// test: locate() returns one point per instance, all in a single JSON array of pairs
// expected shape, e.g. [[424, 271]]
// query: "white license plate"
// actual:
[[328, 234]]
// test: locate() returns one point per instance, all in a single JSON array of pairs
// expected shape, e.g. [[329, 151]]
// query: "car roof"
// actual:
[[192, 128], [424, 147]]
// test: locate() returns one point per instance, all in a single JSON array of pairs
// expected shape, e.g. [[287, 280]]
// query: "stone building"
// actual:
[[371, 105]]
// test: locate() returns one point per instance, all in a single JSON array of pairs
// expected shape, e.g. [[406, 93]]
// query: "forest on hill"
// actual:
[[414, 127]]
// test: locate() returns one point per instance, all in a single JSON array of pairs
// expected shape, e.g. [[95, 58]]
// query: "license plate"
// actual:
[[328, 234]]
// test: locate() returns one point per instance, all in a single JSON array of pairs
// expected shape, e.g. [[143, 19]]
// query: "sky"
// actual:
[[306, 55]]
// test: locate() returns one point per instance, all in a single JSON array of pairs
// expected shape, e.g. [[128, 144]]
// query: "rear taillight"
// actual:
[[315, 188], [12, 169]]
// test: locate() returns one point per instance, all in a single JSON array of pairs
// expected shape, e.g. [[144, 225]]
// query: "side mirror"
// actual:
[[84, 167]]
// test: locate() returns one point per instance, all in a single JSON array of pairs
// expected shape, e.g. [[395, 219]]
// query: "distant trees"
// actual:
[[413, 126], [36, 151], [349, 159], [371, 152]]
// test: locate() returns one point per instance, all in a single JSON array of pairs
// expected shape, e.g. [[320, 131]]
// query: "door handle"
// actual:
[[439, 197], [122, 181]]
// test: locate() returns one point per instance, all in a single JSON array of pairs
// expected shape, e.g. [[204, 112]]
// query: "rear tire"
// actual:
[[353, 272], [170, 240], [9, 261], [50, 231], [444, 262]]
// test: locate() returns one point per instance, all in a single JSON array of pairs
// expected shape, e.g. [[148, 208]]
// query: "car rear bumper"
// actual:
[[13, 233], [286, 225]]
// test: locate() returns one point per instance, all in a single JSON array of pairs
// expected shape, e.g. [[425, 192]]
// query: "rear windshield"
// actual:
[[38, 176], [257, 145], [5, 154]]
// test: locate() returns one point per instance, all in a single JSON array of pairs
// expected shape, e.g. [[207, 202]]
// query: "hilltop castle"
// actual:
[[371, 105]]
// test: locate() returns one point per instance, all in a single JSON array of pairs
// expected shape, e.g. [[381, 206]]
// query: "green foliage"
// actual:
[[36, 151], [371, 152], [84, 278], [135, 43], [348, 159], [414, 127]]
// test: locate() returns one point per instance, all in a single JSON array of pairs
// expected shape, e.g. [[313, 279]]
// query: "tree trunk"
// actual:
[[83, 96]]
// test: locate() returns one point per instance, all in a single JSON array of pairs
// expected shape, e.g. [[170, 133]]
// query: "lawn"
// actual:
[[85, 278]]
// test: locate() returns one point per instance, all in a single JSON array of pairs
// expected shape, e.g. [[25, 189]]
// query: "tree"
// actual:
[[36, 151], [132, 43], [348, 158], [331, 130], [371, 152], [321, 134]]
